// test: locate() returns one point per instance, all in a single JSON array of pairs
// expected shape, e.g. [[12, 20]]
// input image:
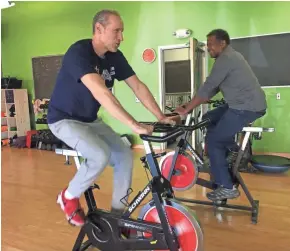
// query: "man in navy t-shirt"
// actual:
[[84, 83]]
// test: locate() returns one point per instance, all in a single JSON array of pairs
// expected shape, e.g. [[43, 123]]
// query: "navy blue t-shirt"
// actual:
[[71, 99]]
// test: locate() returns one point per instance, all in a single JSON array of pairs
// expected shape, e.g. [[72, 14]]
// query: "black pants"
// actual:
[[225, 123]]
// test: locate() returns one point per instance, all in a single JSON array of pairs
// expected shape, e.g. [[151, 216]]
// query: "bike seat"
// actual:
[[258, 129], [68, 152]]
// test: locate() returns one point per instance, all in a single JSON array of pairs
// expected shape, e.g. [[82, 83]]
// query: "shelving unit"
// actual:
[[174, 100], [15, 118]]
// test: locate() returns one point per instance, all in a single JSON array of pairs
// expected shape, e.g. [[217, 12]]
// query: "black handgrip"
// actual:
[[200, 124], [158, 139], [167, 127], [171, 114], [217, 102], [169, 108], [160, 127]]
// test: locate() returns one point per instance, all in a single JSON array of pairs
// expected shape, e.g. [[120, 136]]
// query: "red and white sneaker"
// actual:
[[72, 209]]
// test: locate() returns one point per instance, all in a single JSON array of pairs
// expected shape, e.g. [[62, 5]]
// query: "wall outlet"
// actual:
[[278, 96]]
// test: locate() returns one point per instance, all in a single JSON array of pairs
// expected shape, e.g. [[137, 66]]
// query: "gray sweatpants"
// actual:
[[100, 146]]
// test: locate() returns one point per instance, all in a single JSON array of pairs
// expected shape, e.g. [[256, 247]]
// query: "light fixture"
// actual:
[[182, 33], [6, 4]]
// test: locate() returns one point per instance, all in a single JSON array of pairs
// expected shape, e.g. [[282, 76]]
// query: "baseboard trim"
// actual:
[[142, 147], [286, 155]]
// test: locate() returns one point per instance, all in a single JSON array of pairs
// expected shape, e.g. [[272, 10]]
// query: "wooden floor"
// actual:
[[32, 221]]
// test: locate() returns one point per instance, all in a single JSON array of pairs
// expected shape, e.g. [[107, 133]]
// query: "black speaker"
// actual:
[[11, 83]]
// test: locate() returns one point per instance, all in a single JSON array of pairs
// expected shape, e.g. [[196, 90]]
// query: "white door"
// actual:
[[188, 56], [174, 78], [198, 75]]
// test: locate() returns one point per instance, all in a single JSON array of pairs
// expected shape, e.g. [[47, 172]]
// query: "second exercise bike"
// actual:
[[183, 165]]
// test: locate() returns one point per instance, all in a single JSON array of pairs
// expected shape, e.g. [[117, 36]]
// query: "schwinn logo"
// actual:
[[135, 226], [139, 199]]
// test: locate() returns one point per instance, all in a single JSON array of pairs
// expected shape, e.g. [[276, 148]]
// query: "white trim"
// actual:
[[173, 46], [258, 129], [178, 93], [192, 58], [282, 86], [142, 147], [262, 35], [160, 57], [206, 58], [161, 49], [160, 67]]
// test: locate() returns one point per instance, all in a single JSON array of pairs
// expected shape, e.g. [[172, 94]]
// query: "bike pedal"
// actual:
[[219, 203]]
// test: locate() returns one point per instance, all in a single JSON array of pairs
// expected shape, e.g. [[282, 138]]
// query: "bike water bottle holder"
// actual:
[[124, 200]]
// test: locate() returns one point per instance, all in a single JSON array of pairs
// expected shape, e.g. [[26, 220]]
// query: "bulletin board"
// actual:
[[45, 70]]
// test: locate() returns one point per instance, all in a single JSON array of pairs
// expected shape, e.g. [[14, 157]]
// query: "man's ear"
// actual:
[[98, 28], [223, 44]]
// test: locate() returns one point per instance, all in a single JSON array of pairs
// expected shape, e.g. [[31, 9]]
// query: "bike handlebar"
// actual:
[[217, 103], [173, 130], [160, 139]]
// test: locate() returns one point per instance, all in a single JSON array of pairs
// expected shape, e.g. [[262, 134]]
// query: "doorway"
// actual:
[[182, 69]]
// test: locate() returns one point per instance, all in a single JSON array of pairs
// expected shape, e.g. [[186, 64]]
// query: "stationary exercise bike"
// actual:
[[163, 223], [182, 168]]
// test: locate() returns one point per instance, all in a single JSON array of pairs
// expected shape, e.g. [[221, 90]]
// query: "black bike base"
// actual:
[[101, 228], [254, 210], [84, 246]]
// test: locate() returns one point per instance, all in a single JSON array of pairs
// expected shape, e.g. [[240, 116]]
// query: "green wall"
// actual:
[[46, 28]]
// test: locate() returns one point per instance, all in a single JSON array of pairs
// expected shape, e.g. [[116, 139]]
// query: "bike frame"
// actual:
[[163, 236], [183, 145]]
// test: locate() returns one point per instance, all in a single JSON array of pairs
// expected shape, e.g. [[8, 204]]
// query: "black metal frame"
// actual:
[[183, 145], [100, 226]]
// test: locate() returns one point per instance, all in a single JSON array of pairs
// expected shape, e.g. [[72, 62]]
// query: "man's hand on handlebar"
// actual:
[[147, 129], [168, 120], [140, 128], [181, 110]]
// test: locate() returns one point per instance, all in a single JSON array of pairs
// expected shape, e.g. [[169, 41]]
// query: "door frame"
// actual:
[[161, 49], [161, 76], [161, 67]]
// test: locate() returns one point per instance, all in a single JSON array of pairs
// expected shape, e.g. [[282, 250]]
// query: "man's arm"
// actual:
[[196, 101], [145, 96], [102, 94], [221, 68], [219, 72]]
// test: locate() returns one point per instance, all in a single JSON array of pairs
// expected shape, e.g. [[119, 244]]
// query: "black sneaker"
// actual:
[[223, 193]]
